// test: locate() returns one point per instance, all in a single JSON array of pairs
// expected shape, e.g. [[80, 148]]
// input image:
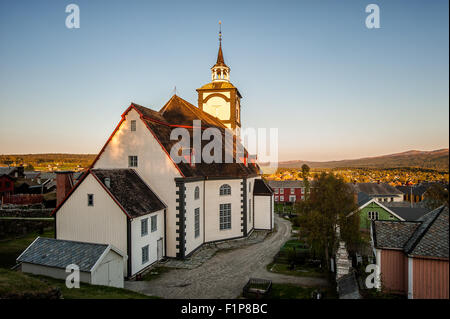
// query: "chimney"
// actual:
[[20, 170], [64, 183]]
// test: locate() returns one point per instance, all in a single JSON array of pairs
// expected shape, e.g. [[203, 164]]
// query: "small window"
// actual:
[[225, 216], [90, 199], [144, 254], [225, 189], [154, 223], [197, 222], [132, 161], [276, 190], [144, 226], [372, 215], [292, 190], [281, 198], [197, 192], [133, 125], [292, 198], [281, 190], [276, 198]]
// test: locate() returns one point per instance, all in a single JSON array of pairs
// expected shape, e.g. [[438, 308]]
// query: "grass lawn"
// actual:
[[288, 291], [10, 249], [295, 244], [155, 273], [17, 283], [299, 271]]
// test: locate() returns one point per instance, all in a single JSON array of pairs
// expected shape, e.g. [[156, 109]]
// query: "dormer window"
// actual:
[[107, 182]]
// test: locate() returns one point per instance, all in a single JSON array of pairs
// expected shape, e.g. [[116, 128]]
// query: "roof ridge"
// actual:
[[424, 230]]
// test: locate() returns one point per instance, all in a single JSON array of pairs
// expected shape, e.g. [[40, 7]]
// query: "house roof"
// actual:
[[409, 213], [286, 184], [376, 189], [61, 253], [393, 234], [130, 191], [261, 188], [431, 238], [363, 198], [180, 113], [427, 237], [416, 190], [7, 170]]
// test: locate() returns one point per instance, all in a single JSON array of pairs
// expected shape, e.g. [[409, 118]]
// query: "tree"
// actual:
[[435, 196], [329, 204], [305, 176]]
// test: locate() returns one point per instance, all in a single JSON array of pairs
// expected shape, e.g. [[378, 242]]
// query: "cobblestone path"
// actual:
[[225, 274]]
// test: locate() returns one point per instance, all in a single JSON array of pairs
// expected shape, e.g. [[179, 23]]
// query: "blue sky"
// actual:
[[334, 88]]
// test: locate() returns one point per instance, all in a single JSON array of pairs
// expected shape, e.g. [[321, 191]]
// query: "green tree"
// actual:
[[329, 204], [435, 196], [305, 177]]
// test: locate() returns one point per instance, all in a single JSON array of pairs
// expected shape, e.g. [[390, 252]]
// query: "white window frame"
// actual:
[[144, 227], [292, 196], [197, 192], [281, 190], [225, 190], [281, 198], [276, 198], [132, 161], [197, 222], [145, 254], [292, 190], [372, 215], [276, 190], [225, 216], [154, 223]]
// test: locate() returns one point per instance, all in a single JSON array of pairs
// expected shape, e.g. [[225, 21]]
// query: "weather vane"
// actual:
[[220, 31]]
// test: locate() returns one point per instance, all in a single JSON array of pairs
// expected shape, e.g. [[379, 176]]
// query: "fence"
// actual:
[[22, 199]]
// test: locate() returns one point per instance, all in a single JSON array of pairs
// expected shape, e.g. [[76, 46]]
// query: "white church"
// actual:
[[136, 198]]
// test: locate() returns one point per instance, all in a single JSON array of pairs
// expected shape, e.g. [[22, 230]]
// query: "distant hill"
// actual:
[[49, 161], [437, 160]]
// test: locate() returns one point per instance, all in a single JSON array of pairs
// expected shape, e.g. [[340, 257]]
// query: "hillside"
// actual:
[[45, 162], [437, 160]]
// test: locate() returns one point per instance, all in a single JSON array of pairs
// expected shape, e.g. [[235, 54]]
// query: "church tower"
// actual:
[[220, 98]]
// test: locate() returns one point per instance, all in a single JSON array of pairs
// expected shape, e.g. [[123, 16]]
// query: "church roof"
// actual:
[[179, 113]]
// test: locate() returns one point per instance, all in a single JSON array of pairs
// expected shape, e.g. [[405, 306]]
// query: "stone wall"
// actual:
[[21, 221]]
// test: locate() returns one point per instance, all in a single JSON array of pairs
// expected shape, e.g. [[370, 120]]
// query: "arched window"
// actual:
[[225, 189], [197, 193]]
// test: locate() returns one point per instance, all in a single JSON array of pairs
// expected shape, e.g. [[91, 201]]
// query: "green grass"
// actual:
[[155, 273], [11, 248], [299, 271], [87, 291], [295, 244], [288, 291], [17, 283], [20, 284]]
